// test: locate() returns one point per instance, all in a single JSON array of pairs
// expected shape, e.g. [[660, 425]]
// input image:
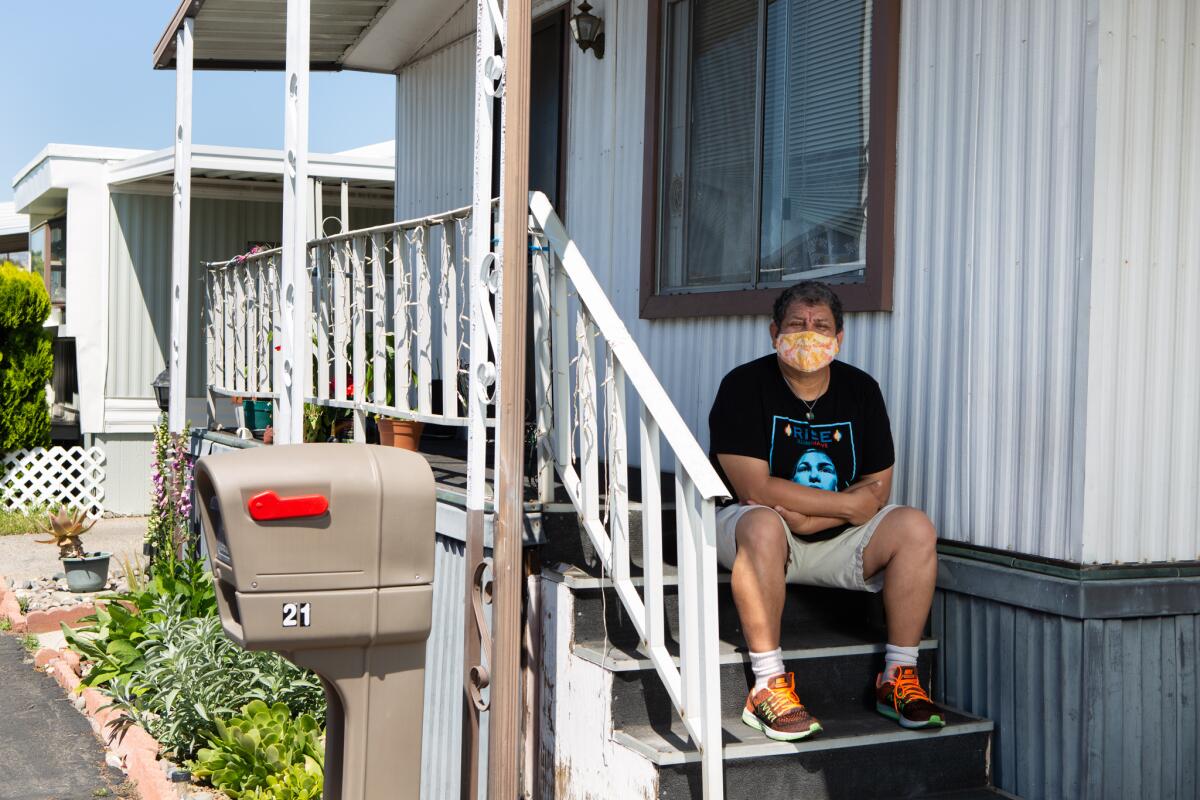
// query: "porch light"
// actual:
[[162, 390], [588, 30]]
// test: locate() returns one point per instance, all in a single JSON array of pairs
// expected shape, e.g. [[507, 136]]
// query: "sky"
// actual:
[[79, 72]]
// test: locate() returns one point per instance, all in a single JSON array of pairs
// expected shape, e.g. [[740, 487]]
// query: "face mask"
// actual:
[[807, 351]]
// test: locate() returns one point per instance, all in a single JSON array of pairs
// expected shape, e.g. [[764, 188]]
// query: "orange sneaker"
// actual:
[[777, 712], [903, 699]]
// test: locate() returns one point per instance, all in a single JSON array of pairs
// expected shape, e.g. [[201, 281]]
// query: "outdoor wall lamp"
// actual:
[[162, 390], [588, 30]]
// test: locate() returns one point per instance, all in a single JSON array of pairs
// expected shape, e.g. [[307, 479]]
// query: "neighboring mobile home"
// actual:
[[1006, 194], [100, 222]]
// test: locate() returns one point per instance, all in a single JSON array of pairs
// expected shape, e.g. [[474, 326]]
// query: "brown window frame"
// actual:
[[875, 294]]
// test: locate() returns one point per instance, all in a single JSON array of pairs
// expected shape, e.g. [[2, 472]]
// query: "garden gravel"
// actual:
[[24, 559]]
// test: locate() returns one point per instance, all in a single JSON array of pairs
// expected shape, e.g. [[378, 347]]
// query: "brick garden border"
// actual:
[[39, 621]]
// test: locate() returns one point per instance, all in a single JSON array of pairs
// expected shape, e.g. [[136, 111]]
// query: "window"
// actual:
[[56, 277], [48, 258], [770, 164]]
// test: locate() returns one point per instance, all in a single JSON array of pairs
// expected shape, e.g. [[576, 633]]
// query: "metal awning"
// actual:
[[366, 35]]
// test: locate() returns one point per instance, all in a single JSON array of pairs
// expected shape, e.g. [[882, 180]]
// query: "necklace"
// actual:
[[810, 415]]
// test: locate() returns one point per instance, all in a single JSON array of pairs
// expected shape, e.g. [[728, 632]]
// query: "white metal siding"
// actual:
[[128, 458], [434, 131], [140, 280], [1143, 463], [982, 358], [140, 277], [978, 359]]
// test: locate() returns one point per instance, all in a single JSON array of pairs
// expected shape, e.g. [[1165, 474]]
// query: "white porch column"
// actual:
[[294, 350], [177, 347]]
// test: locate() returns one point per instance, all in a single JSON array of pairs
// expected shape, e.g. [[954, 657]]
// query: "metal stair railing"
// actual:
[[572, 410]]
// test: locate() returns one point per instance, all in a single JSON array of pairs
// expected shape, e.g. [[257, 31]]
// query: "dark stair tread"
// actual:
[[819, 639], [850, 727]]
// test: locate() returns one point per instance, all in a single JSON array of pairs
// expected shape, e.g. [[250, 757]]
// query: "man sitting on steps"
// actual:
[[804, 443]]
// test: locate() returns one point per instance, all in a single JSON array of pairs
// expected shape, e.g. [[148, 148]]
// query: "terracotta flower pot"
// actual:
[[402, 433]]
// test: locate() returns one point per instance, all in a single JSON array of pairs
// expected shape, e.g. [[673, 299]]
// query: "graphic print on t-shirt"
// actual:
[[821, 456]]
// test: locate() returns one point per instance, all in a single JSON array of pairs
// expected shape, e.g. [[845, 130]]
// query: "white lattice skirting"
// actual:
[[71, 476]]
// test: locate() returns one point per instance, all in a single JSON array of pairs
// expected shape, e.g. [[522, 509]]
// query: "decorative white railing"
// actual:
[[391, 317], [241, 315], [581, 401]]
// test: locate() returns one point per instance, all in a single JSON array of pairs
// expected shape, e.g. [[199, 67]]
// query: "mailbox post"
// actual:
[[324, 553]]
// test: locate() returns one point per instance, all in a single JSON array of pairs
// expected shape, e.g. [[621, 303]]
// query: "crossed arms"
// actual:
[[805, 509]]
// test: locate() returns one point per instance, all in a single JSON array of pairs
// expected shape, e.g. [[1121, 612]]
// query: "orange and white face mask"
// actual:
[[807, 351]]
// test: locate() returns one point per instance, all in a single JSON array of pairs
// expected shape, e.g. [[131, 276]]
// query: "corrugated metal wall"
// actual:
[[127, 461], [979, 357], [441, 728], [1143, 464], [982, 356], [139, 266], [140, 280], [1083, 709], [435, 131]]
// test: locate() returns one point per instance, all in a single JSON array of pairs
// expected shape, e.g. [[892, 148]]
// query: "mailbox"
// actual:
[[324, 553]]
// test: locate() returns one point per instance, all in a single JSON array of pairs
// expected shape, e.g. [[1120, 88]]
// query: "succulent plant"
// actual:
[[65, 526]]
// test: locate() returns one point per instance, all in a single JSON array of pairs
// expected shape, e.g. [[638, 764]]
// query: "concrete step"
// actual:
[[859, 754]]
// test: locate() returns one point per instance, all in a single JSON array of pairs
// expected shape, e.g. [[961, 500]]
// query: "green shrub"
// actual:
[[264, 754], [192, 675], [26, 360], [113, 641]]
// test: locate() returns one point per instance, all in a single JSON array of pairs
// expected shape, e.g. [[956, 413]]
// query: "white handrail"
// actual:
[[693, 685], [674, 429]]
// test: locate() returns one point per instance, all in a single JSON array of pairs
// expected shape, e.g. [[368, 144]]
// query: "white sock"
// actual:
[[895, 657], [766, 666]]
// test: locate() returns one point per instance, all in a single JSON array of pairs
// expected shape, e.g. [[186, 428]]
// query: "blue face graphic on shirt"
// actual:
[[816, 469]]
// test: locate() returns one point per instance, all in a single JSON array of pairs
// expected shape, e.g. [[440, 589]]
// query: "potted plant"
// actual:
[[85, 572], [402, 433]]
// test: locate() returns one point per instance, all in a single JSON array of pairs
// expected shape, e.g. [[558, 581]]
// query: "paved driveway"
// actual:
[[47, 748]]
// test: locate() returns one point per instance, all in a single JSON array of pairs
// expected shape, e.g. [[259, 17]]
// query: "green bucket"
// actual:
[[257, 414]]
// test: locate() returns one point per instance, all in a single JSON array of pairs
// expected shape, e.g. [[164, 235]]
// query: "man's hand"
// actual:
[[862, 502], [804, 524]]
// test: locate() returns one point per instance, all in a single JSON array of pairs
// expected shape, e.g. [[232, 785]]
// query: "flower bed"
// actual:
[[159, 658]]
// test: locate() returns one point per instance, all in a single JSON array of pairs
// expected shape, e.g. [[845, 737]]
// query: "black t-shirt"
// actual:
[[756, 414]]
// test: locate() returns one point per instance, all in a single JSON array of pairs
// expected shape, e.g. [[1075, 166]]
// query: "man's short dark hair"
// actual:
[[810, 293]]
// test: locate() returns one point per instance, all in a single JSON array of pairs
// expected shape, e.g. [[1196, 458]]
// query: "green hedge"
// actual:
[[26, 359]]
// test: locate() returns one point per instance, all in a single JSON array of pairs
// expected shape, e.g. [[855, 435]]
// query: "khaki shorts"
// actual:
[[836, 562]]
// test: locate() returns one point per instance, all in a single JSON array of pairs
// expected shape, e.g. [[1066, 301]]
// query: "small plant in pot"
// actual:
[[86, 572], [402, 433]]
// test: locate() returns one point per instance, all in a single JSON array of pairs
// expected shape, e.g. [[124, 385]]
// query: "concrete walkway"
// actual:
[[47, 748], [22, 558]]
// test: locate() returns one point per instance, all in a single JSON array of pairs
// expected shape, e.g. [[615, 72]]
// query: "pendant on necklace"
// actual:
[[811, 416]]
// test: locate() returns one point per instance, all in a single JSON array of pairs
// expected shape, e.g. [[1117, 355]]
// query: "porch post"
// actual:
[[177, 349], [504, 748], [293, 318], [477, 404]]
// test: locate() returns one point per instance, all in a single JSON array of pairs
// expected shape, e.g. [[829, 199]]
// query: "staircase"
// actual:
[[609, 728], [644, 667]]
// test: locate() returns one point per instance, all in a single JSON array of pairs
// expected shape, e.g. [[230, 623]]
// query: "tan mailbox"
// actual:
[[324, 553]]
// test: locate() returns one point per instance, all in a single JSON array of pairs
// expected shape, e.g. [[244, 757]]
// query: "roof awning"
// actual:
[[366, 35]]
